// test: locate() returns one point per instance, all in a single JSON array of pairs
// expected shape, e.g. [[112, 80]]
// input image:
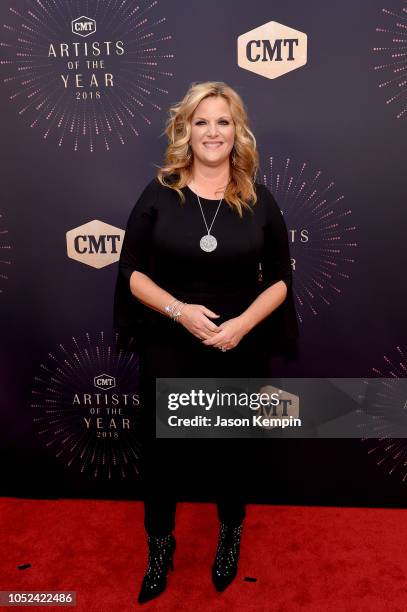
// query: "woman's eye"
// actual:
[[222, 121]]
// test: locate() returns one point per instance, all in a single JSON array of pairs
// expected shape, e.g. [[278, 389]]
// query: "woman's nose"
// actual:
[[212, 129]]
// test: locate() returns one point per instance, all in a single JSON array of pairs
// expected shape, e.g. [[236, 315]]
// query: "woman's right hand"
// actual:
[[194, 317]]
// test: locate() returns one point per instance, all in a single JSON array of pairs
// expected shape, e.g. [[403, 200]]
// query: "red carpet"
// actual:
[[304, 558]]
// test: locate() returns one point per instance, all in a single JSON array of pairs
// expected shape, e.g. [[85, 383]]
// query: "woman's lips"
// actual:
[[212, 145]]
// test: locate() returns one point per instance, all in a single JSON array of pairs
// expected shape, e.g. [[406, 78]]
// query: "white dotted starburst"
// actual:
[[388, 407], [78, 93], [87, 426], [321, 233], [393, 57], [5, 248]]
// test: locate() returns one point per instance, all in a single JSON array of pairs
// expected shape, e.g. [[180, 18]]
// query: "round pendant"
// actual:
[[208, 243]]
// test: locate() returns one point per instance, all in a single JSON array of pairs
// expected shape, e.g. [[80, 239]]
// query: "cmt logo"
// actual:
[[272, 50], [104, 381], [83, 26], [95, 244], [288, 406]]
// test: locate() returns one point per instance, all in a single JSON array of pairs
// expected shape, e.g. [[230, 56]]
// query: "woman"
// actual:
[[205, 286]]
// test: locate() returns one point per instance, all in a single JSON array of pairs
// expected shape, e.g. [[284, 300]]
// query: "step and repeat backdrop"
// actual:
[[85, 91]]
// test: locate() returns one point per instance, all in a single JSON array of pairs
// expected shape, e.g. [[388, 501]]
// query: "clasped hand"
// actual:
[[196, 319]]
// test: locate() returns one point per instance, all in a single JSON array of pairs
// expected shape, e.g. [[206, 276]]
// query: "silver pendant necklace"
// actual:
[[208, 242]]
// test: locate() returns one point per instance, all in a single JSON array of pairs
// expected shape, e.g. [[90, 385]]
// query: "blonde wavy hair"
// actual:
[[176, 170]]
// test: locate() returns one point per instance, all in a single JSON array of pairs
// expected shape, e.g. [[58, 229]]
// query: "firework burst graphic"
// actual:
[[5, 247], [393, 57], [86, 73], [320, 229], [86, 399], [388, 405]]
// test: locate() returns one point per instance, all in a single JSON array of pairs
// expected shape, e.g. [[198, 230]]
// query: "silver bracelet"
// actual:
[[170, 306], [172, 309], [175, 312], [177, 315]]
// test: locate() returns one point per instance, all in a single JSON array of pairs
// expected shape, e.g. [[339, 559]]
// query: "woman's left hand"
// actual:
[[229, 334]]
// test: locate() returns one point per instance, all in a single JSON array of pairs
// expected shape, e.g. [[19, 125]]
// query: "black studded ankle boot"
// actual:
[[224, 568], [160, 558]]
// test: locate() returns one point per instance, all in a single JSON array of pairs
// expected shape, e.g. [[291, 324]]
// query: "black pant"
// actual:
[[169, 350]]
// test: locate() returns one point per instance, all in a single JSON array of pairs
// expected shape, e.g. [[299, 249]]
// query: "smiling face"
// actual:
[[212, 131]]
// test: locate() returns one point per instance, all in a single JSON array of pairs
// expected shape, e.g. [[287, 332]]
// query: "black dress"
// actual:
[[162, 240]]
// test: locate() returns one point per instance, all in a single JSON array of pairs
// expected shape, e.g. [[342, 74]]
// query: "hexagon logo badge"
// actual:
[[83, 26], [95, 243], [272, 50], [288, 405], [104, 381]]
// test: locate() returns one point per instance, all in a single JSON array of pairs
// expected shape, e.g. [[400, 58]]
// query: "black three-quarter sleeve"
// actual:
[[275, 259], [128, 311], [280, 329], [136, 246]]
